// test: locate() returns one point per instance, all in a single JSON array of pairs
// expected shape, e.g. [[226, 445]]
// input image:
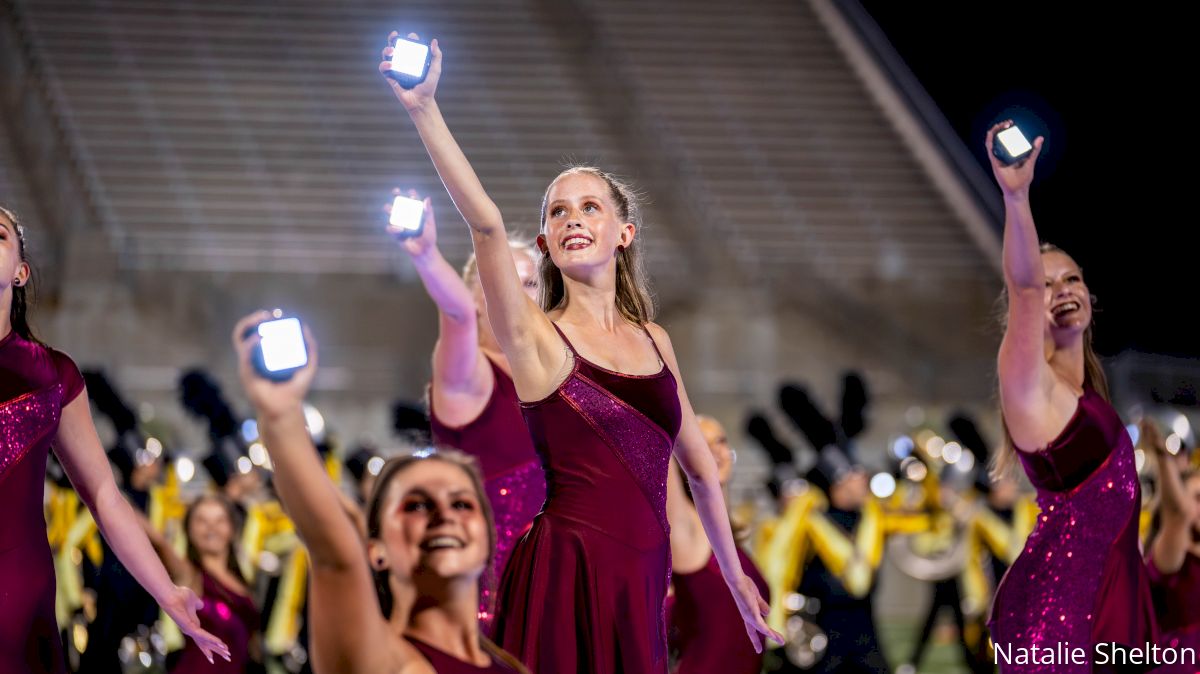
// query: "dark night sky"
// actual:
[[1116, 178]]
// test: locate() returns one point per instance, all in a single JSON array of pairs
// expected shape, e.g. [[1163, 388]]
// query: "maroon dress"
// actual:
[[1080, 579], [231, 617], [512, 472], [35, 384], [444, 663], [707, 629], [583, 591], [1177, 600]]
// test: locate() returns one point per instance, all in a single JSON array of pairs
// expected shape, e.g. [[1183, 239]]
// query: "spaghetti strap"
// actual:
[[570, 346], [661, 361]]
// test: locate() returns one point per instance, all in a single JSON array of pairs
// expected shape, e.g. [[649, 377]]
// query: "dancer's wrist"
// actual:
[[423, 110], [280, 415], [426, 257], [1016, 197], [735, 579]]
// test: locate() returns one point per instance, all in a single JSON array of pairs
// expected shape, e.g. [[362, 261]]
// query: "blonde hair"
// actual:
[[634, 300], [1005, 461], [470, 270]]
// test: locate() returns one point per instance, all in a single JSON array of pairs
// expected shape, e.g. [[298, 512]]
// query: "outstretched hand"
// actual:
[[181, 605], [271, 397], [422, 94], [1013, 179], [754, 610]]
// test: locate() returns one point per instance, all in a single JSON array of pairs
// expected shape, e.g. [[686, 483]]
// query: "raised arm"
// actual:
[[697, 463], [459, 370], [526, 335], [1169, 548], [348, 627], [82, 456], [1025, 377]]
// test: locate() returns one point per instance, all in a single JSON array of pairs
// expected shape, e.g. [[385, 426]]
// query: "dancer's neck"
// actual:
[[592, 298], [216, 566], [1067, 361], [591, 308], [451, 627]]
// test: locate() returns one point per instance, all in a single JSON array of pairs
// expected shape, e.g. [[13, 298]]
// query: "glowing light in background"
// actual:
[[314, 422], [375, 465], [935, 447], [258, 454], [1135, 433], [883, 485], [902, 447], [967, 462], [1174, 444], [1181, 426], [250, 430], [185, 470], [913, 469]]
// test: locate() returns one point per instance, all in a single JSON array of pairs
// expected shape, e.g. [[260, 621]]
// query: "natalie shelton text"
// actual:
[[1101, 654]]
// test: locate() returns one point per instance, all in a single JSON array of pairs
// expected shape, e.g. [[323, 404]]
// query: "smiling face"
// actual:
[[1068, 302], [583, 226], [210, 527], [432, 525]]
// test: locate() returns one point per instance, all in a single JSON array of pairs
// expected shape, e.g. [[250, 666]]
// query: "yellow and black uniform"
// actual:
[[833, 556]]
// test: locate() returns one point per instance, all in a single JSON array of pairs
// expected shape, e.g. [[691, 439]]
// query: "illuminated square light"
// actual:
[[1014, 141], [408, 57], [406, 214], [283, 344]]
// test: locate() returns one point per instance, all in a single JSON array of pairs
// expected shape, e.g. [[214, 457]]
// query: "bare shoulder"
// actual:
[[659, 333], [663, 341]]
